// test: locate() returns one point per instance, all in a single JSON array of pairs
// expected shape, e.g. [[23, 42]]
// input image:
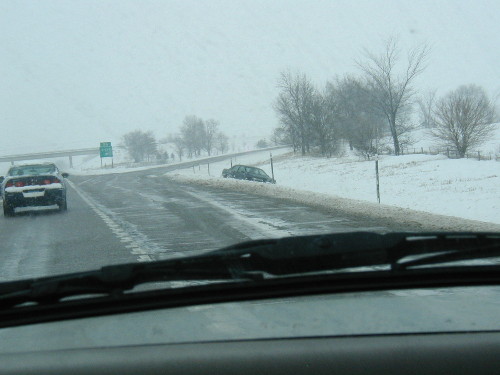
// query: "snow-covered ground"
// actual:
[[463, 188], [468, 189]]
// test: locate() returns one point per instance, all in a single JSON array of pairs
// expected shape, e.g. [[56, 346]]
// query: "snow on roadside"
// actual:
[[453, 187], [410, 187]]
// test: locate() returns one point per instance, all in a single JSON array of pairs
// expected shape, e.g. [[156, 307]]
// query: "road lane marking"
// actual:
[[132, 244]]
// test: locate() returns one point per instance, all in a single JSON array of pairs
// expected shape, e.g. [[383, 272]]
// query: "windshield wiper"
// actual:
[[263, 259]]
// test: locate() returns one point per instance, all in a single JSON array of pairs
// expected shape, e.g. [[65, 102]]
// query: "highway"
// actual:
[[144, 216]]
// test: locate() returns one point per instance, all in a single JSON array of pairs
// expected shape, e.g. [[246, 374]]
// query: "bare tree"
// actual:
[[193, 135], [294, 105], [464, 118], [322, 123], [140, 145], [179, 146], [281, 137], [221, 142], [392, 90], [359, 120], [426, 105], [210, 134]]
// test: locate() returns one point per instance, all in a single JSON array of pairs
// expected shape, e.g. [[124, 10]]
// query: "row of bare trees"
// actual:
[[197, 135], [361, 109], [376, 105]]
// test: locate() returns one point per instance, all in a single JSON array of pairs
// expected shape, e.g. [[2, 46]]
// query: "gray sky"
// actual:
[[78, 72]]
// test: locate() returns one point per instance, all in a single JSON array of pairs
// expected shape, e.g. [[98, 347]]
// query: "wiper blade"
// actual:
[[264, 258]]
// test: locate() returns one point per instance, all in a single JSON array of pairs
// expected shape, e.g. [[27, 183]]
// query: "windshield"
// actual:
[[184, 127], [31, 170]]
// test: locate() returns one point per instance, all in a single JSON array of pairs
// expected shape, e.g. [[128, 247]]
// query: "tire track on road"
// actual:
[[136, 247]]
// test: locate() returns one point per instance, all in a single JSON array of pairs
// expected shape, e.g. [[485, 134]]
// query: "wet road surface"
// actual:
[[144, 216]]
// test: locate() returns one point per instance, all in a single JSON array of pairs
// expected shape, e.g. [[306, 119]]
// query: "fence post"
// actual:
[[422, 149], [448, 152], [231, 162], [377, 176], [479, 155], [193, 169]]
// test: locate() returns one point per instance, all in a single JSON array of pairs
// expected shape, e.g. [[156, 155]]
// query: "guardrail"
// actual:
[[192, 163], [51, 154]]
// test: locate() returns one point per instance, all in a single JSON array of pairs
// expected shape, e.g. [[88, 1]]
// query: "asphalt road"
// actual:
[[143, 216]]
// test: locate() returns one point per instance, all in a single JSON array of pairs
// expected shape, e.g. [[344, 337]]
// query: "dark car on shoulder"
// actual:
[[33, 185], [244, 172]]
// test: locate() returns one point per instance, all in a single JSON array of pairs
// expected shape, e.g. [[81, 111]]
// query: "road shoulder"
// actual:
[[386, 214]]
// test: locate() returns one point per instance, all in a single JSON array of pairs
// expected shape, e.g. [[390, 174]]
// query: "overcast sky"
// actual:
[[77, 72]]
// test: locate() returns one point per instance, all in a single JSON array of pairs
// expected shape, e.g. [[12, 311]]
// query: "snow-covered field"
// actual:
[[464, 188], [468, 189]]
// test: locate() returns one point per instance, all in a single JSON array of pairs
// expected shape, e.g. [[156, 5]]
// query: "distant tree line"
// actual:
[[375, 105], [195, 136]]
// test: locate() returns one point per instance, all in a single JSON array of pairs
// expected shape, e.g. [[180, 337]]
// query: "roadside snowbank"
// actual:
[[429, 192]]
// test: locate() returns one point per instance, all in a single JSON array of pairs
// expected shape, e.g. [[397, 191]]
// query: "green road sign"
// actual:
[[106, 150]]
